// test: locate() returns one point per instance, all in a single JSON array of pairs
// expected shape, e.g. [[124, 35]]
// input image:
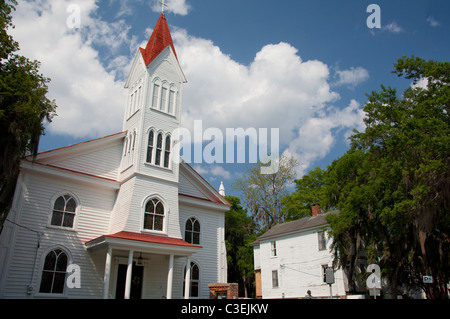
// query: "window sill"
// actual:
[[169, 169], [74, 230]]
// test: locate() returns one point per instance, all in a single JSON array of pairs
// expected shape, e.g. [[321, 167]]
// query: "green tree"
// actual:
[[262, 193], [393, 186], [239, 234], [309, 190], [23, 108]]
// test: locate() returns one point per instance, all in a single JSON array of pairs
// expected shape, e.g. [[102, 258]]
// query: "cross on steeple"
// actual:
[[163, 4]]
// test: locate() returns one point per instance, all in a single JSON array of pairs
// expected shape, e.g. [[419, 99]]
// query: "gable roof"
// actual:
[[82, 159], [296, 226], [206, 191], [158, 41]]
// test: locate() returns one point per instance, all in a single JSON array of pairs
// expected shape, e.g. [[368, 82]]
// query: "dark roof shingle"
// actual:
[[298, 225]]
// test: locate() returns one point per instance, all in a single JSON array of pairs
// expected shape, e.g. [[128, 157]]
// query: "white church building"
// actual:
[[118, 217]]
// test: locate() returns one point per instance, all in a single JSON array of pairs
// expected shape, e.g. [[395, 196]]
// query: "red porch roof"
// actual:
[[150, 239]]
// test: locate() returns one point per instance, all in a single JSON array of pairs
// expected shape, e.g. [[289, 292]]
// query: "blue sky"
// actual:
[[301, 66]]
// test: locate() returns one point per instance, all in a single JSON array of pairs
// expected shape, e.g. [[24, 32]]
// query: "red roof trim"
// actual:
[[73, 171], [77, 144], [151, 239], [159, 40]]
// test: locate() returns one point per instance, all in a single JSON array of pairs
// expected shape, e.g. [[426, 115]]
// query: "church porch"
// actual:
[[143, 266]]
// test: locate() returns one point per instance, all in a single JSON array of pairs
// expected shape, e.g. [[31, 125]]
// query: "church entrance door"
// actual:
[[136, 282]]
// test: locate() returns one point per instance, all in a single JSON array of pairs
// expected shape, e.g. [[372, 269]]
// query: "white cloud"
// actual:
[[89, 97], [277, 90], [433, 22], [318, 135], [393, 27], [217, 172], [180, 7], [352, 77]]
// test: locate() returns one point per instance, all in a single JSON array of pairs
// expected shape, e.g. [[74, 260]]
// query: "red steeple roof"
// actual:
[[159, 40]]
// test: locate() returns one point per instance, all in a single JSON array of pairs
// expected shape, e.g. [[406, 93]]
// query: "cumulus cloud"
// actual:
[[317, 136], [352, 77], [278, 89], [89, 97]]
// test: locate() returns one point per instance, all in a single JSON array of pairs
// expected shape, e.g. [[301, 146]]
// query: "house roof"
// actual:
[[158, 41], [299, 225]]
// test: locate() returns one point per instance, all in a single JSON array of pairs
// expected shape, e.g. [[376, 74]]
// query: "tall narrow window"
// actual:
[[163, 98], [154, 215], [54, 272], [158, 149], [195, 280], [155, 95], [274, 278], [64, 212], [150, 146], [171, 103], [192, 231], [273, 248], [167, 152]]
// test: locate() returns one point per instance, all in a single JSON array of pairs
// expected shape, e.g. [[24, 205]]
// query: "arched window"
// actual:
[[159, 142], [167, 152], [154, 215], [195, 280], [64, 211], [151, 137], [53, 277], [192, 231]]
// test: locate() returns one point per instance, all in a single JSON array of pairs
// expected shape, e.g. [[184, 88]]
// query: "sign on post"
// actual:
[[427, 279]]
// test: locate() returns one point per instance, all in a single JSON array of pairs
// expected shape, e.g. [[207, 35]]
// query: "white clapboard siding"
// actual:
[[299, 263]]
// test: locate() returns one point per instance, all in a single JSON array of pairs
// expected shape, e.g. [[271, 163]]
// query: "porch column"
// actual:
[[187, 279], [170, 278], [128, 279], [107, 273]]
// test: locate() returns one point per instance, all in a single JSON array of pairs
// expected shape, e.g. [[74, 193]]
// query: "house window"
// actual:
[[154, 215], [192, 231], [273, 248], [151, 137], [322, 240], [54, 272], [167, 152], [274, 278], [64, 212], [195, 280], [158, 149]]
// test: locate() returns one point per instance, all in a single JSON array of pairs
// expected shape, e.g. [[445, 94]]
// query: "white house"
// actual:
[[291, 259], [118, 217]]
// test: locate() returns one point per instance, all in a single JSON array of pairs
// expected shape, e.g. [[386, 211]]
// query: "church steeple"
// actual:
[[158, 41], [153, 109]]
